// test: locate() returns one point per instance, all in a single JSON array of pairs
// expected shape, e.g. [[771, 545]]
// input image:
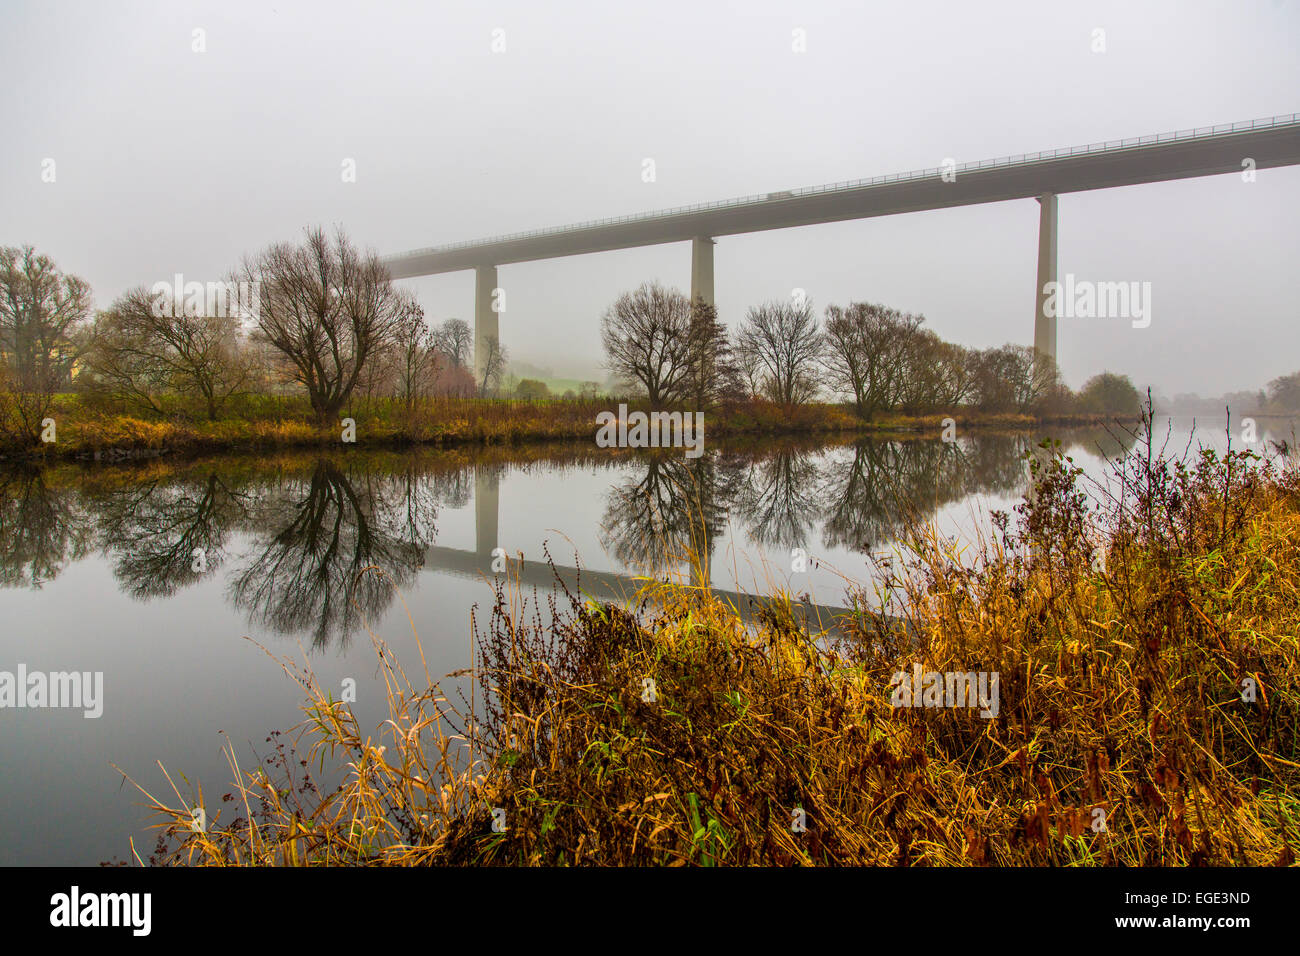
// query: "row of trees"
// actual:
[[326, 317], [323, 316], [534, 389], [1283, 394], [878, 358], [1280, 397]]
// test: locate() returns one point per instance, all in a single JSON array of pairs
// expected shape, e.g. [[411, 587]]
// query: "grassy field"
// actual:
[[1146, 712]]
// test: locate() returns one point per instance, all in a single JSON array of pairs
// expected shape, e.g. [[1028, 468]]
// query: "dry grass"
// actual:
[[265, 422], [1122, 637]]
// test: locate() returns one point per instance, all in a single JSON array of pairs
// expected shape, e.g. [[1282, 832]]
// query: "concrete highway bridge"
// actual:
[[1204, 151]]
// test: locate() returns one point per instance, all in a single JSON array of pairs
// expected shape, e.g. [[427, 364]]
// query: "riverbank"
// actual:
[[1136, 701], [84, 433]]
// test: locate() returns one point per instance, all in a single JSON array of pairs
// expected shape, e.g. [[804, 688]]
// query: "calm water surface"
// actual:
[[98, 567]]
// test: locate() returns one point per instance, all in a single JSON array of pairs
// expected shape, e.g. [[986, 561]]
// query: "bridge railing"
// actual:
[[1022, 159]]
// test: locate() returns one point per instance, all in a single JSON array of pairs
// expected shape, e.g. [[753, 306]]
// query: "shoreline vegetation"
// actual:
[[1144, 633], [85, 433]]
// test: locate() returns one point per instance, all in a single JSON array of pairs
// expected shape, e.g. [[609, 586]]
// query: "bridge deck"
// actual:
[[1206, 151]]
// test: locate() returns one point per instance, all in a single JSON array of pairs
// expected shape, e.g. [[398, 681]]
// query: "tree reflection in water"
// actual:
[[294, 538], [779, 496], [870, 498], [308, 575], [42, 529], [163, 535], [863, 495], [304, 536]]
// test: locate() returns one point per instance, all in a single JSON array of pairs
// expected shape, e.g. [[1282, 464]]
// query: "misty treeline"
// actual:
[[878, 359], [1281, 397]]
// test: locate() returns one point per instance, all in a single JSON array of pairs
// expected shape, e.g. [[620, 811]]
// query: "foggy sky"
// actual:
[[169, 160]]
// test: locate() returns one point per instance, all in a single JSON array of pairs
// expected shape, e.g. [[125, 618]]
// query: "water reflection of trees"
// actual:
[[164, 535], [779, 496], [455, 487], [42, 529], [307, 573], [295, 543], [675, 507], [863, 495], [871, 497], [293, 539]]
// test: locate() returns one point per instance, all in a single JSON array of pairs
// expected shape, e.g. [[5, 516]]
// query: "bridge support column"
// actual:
[[485, 320], [1044, 324], [702, 269], [487, 504]]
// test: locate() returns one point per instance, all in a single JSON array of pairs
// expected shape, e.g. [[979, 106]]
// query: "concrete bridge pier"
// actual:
[[1044, 324], [485, 319], [702, 269], [487, 502]]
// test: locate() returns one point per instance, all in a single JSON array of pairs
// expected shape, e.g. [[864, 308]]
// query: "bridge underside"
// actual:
[[1259, 145]]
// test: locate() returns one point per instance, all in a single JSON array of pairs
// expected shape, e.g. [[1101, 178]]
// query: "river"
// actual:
[[154, 573]]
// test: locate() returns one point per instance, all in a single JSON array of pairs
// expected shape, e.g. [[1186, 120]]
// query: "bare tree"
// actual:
[[418, 357], [1042, 383], [494, 366], [327, 309], [782, 340], [1013, 378], [455, 338], [713, 373], [378, 377], [648, 342], [749, 370], [867, 353], [143, 348], [450, 380], [957, 373], [930, 372], [41, 314]]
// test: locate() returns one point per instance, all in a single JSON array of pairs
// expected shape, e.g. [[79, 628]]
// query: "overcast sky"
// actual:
[[170, 160]]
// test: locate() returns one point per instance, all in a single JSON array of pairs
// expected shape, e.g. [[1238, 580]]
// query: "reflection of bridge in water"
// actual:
[[601, 585]]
